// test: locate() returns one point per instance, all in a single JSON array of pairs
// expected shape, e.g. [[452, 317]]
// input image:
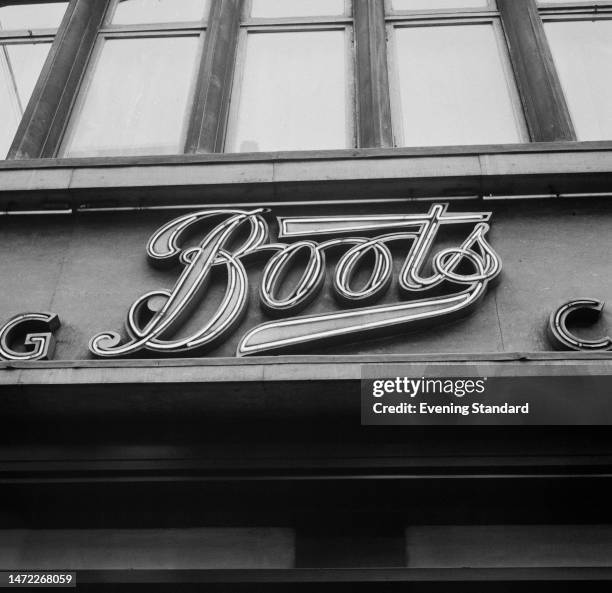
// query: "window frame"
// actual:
[[108, 31], [450, 19], [256, 26]]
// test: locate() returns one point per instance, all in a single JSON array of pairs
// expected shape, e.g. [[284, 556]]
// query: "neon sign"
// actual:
[[154, 319]]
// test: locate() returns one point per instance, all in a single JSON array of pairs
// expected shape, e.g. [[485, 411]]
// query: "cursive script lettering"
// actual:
[[155, 318]]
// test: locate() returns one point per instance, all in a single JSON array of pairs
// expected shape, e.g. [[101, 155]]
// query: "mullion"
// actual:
[[210, 109], [374, 120], [544, 104]]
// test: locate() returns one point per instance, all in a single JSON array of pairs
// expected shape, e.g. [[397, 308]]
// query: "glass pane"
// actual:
[[582, 51], [131, 12], [293, 95], [137, 98], [20, 66], [46, 15], [437, 4], [289, 8], [453, 87]]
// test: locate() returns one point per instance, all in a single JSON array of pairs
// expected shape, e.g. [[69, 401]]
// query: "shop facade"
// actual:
[[186, 317]]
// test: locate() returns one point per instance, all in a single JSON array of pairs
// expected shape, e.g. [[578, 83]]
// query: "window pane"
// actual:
[[453, 87], [582, 51], [434, 4], [137, 98], [20, 66], [130, 12], [289, 8], [293, 95], [46, 15]]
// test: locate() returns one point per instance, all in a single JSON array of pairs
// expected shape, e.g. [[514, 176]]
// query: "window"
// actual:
[[137, 95], [581, 45], [292, 89], [452, 78], [136, 100], [26, 34]]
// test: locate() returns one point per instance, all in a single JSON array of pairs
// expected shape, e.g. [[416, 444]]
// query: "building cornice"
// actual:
[[535, 171]]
